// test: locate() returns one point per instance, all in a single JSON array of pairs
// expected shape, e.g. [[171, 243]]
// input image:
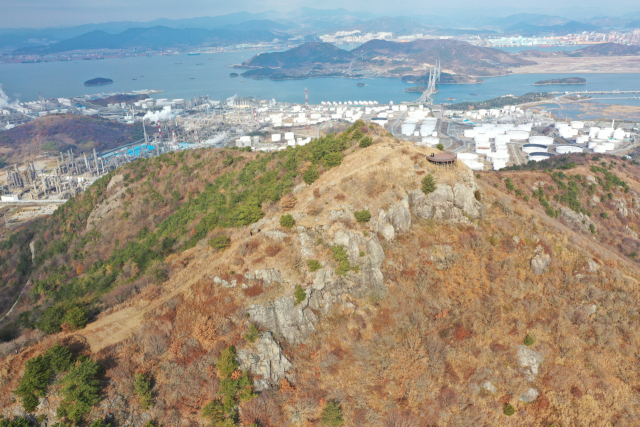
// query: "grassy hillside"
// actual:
[[513, 305], [56, 133]]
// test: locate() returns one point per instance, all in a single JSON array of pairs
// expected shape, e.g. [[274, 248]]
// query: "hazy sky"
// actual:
[[46, 13]]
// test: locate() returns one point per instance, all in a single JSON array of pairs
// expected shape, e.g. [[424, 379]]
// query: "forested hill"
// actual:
[[56, 133], [347, 282]]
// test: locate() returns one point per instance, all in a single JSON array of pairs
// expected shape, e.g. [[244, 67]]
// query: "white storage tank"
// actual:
[[593, 132], [502, 139], [276, 137], [467, 156], [608, 146], [566, 149], [481, 138], [540, 156], [541, 140], [577, 124], [289, 135], [582, 139], [497, 165], [518, 135], [534, 148], [605, 133], [618, 134]]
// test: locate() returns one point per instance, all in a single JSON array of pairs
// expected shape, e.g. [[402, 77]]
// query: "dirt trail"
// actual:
[[119, 325]]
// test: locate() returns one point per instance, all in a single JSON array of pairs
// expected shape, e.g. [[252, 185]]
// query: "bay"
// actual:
[[182, 76]]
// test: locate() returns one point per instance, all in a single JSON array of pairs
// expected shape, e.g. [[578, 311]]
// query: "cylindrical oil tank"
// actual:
[[540, 139]]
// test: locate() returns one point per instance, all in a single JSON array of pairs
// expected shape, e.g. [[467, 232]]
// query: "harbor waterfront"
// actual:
[[184, 76]]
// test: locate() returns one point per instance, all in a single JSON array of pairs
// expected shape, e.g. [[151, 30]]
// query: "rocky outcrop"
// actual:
[[540, 262], [529, 396], [264, 359], [351, 241], [529, 361], [454, 205], [489, 387], [621, 205], [268, 276], [577, 219], [284, 318], [394, 221]]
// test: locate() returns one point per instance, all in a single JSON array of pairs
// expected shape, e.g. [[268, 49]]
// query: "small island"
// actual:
[[233, 75], [564, 81], [98, 81]]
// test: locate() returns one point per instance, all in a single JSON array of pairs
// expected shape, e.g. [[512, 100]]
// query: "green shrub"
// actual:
[[16, 422], [362, 216], [509, 184], [142, 387], [340, 255], [311, 175], [314, 265], [300, 294], [508, 410], [76, 318], [80, 390], [220, 243], [150, 423], [332, 415], [440, 147], [253, 334], [38, 373], [287, 221], [604, 215], [428, 184], [529, 340], [366, 142], [333, 159], [227, 362]]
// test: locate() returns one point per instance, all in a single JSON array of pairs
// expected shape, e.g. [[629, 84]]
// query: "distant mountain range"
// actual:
[[308, 22], [154, 37]]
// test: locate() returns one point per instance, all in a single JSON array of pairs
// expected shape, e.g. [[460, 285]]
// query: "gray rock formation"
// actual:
[[529, 396], [446, 204], [592, 266], [489, 387], [540, 262], [268, 276], [399, 216], [342, 215], [292, 322], [376, 254], [323, 276], [529, 361], [577, 219], [265, 360]]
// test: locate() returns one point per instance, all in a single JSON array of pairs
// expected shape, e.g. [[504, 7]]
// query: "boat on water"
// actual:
[[135, 78], [241, 80], [451, 99], [474, 94], [193, 53], [192, 78], [360, 84]]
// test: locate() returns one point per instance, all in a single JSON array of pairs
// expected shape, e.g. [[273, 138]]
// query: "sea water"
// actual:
[[182, 76]]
